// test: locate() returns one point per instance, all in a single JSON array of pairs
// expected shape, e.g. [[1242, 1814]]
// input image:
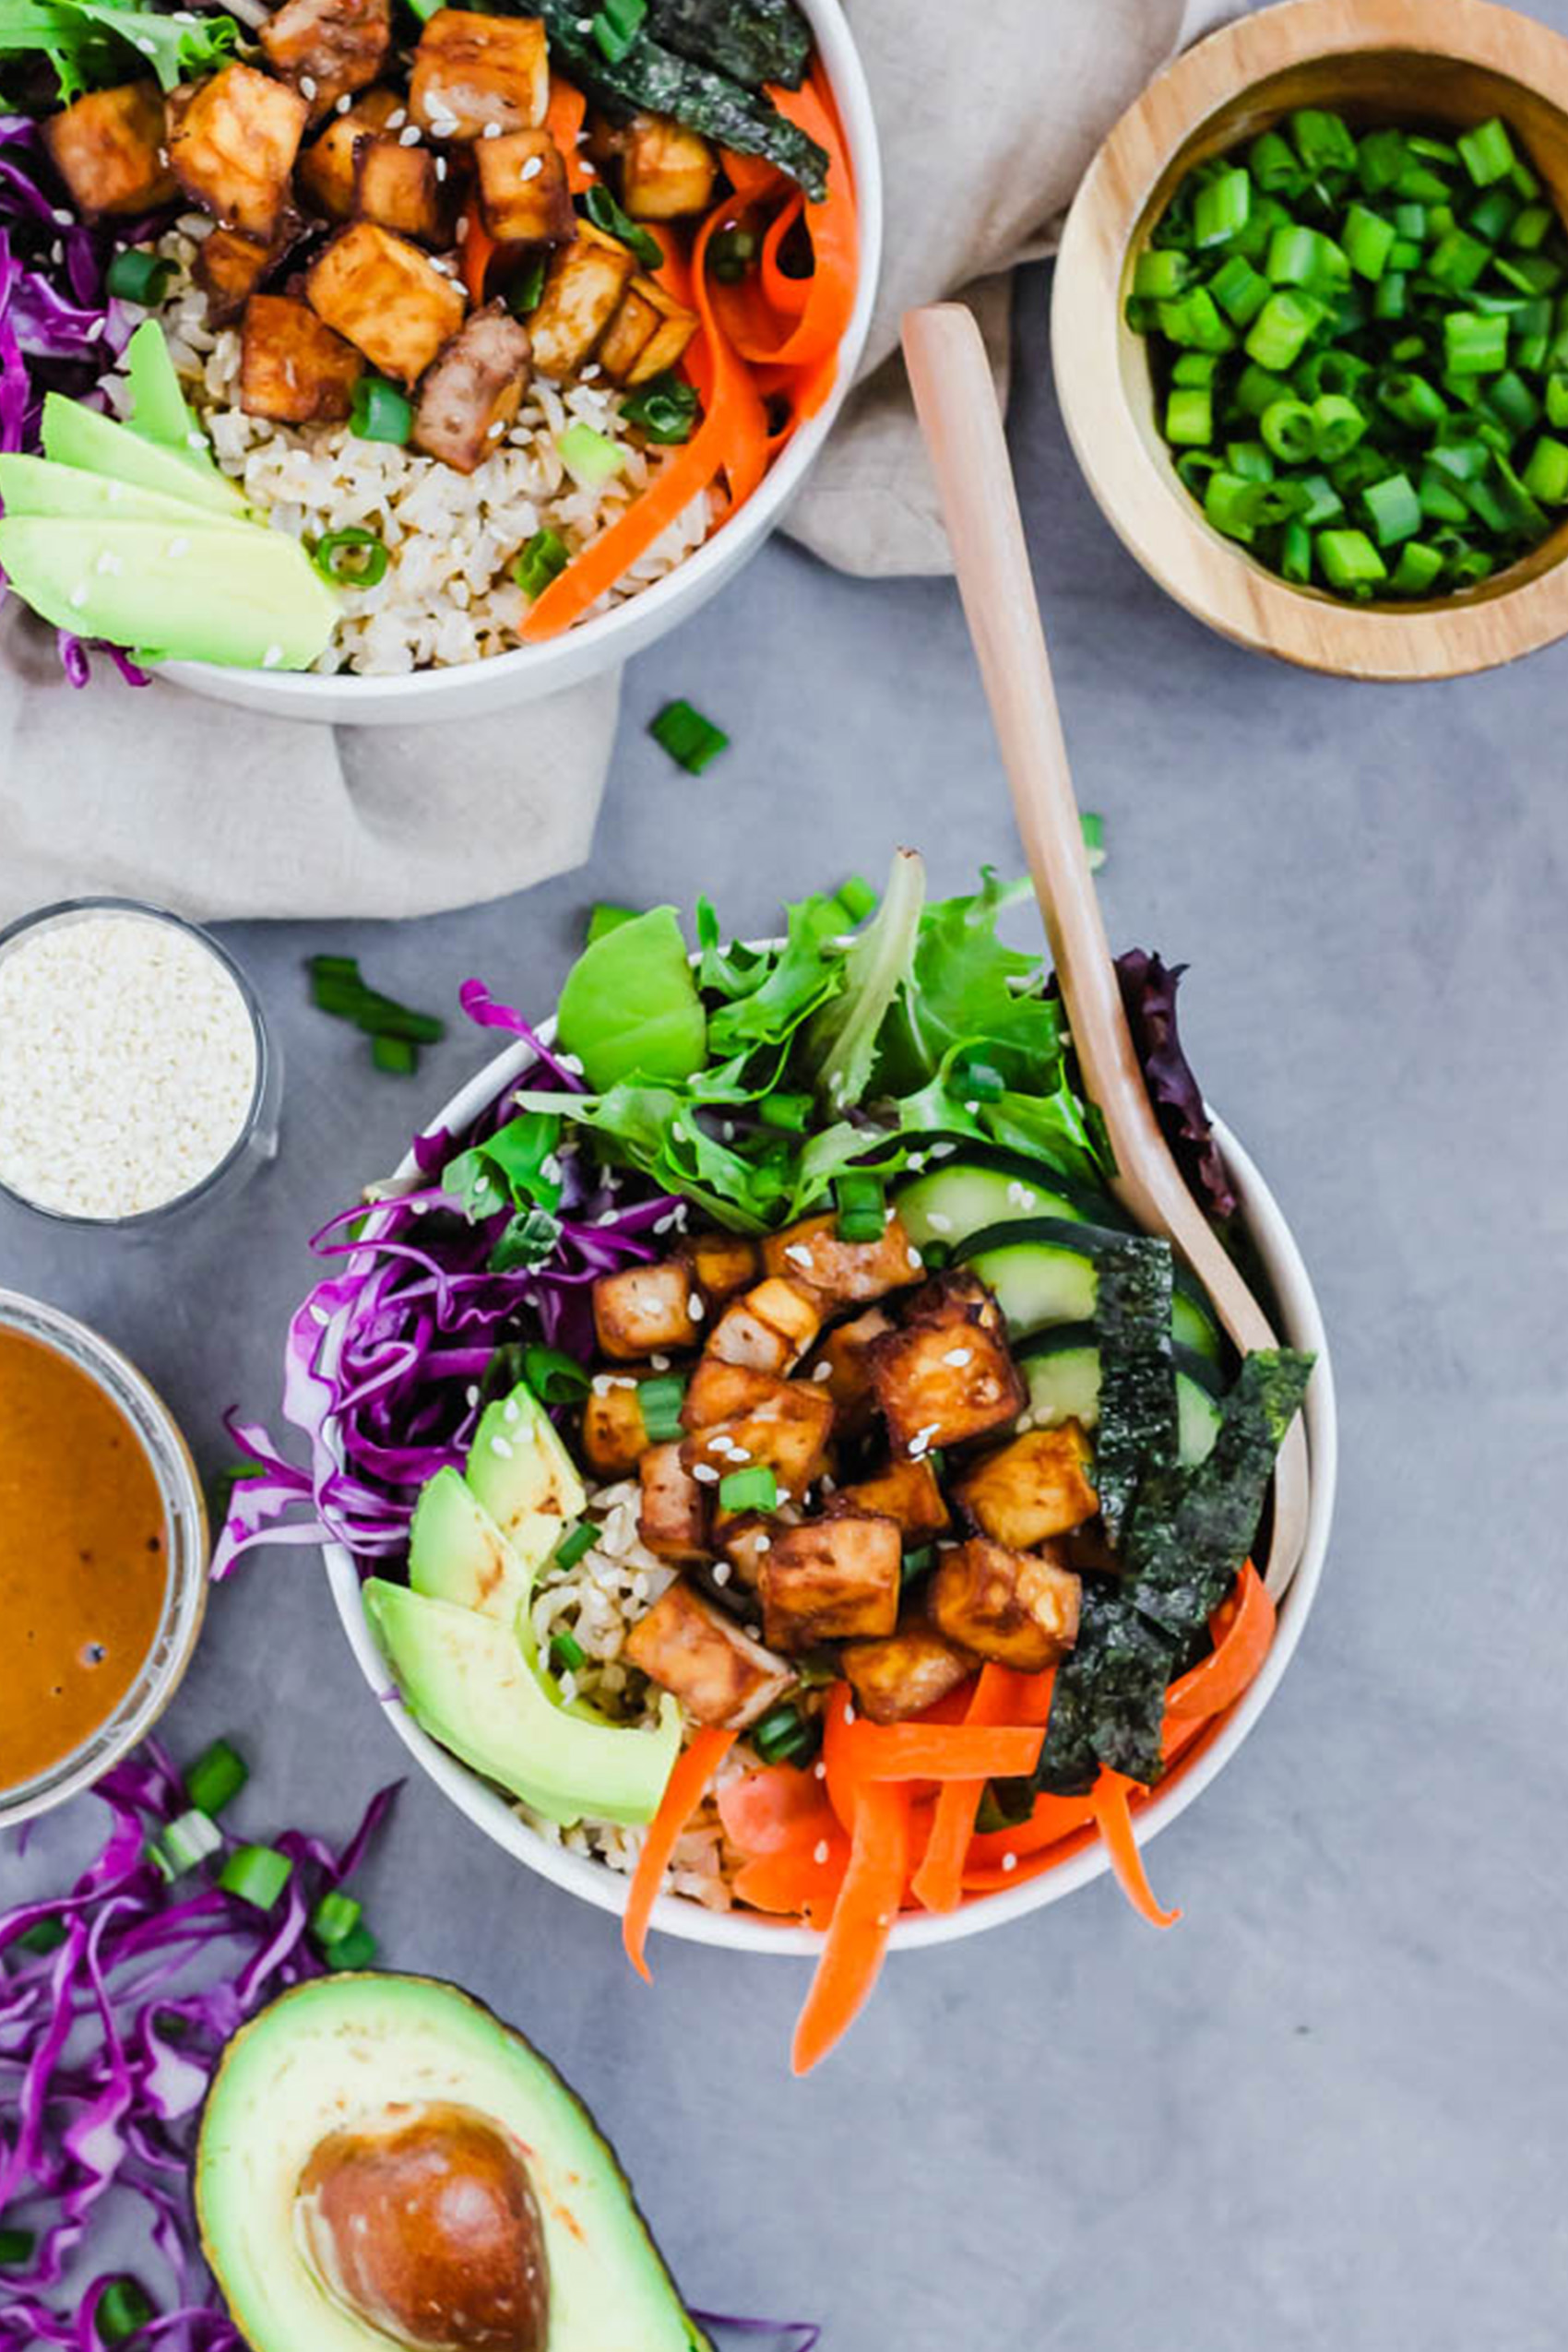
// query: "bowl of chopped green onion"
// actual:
[[1311, 334]]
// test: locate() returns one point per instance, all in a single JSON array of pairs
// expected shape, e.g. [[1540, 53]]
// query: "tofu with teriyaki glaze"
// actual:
[[523, 194], [645, 1311], [673, 1521], [1018, 1608], [947, 1376], [832, 1580], [900, 1676], [476, 75], [1038, 1486], [582, 289], [328, 49], [110, 148], [326, 169], [293, 368], [846, 1274], [719, 1674], [473, 389], [232, 141]]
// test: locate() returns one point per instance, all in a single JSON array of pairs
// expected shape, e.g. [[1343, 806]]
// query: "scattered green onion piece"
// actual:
[[1419, 569], [1296, 554], [589, 456], [1531, 227], [1441, 503], [1487, 153], [1250, 460], [1291, 256], [1391, 296], [186, 1843], [784, 1736], [336, 988], [1321, 502], [660, 1400], [554, 1377], [693, 742], [44, 1937], [1368, 240], [257, 1875], [1220, 208], [1289, 431], [1257, 389], [1546, 475], [544, 558], [1281, 329], [615, 27], [123, 2309], [355, 1949], [396, 1057], [1240, 291], [334, 1917], [1093, 827], [1509, 398], [217, 1777], [1159, 274], [1380, 159], [861, 1203], [1194, 321], [1231, 504], [664, 409], [1433, 150], [1350, 562], [15, 2248], [525, 292], [919, 1562], [379, 412], [607, 916], [1195, 369], [1337, 424], [1275, 165], [352, 557], [567, 1653], [1412, 400], [1394, 508], [1322, 140], [1474, 344], [753, 1489], [1189, 416], [139, 276], [606, 214], [1495, 215], [1457, 261], [731, 253], [574, 1545]]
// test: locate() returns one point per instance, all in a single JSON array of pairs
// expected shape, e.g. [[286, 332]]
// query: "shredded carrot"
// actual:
[[830, 290], [478, 245], [750, 176], [1113, 1812], [938, 1883], [564, 120], [786, 295], [1052, 1819], [863, 1921], [694, 1767], [802, 1883], [1242, 1628], [775, 1810], [939, 1752], [995, 1878]]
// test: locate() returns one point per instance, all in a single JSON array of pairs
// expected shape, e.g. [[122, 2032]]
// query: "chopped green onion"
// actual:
[[1275, 166], [1337, 424], [1393, 508], [615, 27], [123, 2309], [544, 558], [554, 1377], [1546, 476], [1369, 240], [1292, 256], [1231, 504], [589, 456], [44, 1936], [1221, 209], [1240, 291], [1159, 274], [660, 1400], [217, 1777], [664, 409], [1458, 261], [918, 1561], [1556, 402], [606, 917], [1487, 153], [257, 1875], [355, 1949], [1189, 416], [1321, 502], [1473, 344], [15, 2248], [139, 276], [1419, 569], [352, 557], [567, 1653], [574, 1544], [1289, 430], [862, 1201], [334, 1917], [397, 1057], [1093, 827], [187, 1841], [753, 1488], [336, 988], [692, 740], [731, 252], [1322, 140], [379, 412], [1349, 561], [1296, 554], [606, 214], [785, 1736], [525, 292], [1281, 329]]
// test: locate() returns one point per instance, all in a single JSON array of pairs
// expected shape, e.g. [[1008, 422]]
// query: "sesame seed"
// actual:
[[914, 1259], [1009, 1861], [660, 1363], [272, 657], [937, 1222], [753, 1632], [502, 1446], [491, 131], [848, 1711], [705, 1474], [763, 1543], [823, 1372], [696, 1308], [65, 220], [821, 1851], [307, 85], [441, 167], [799, 1254], [78, 597], [532, 168], [399, 115], [722, 1572], [462, 227], [494, 432], [470, 1394], [587, 376], [343, 104], [958, 1356], [411, 137], [819, 1772], [588, 170], [511, 1411]]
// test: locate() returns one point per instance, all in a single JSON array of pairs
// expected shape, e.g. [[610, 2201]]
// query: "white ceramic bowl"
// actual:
[[475, 688], [747, 1931]]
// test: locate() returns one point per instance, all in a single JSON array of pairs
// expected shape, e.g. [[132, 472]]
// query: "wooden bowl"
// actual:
[[1376, 61]]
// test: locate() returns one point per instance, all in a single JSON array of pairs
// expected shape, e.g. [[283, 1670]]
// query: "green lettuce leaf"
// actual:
[[85, 41]]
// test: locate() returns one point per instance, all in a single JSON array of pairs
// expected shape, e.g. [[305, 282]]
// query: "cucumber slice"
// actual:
[[964, 1195], [1063, 1374], [1043, 1273]]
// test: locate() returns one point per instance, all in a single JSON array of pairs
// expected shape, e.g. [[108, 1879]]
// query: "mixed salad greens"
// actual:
[[946, 1470]]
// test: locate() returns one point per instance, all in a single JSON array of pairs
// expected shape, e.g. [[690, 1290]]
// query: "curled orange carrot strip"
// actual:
[[1115, 1819], [1052, 1819], [800, 1884], [775, 1810], [789, 296], [861, 1923], [1243, 1632], [830, 296], [994, 1878], [941, 1751], [564, 120], [938, 1883], [694, 1767]]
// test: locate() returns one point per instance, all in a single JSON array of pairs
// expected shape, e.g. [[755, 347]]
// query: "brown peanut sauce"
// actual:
[[84, 1557]]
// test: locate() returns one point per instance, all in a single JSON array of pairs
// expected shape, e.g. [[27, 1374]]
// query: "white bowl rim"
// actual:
[[595, 1883], [588, 649]]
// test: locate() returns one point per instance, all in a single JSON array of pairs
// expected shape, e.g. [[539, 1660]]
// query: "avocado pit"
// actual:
[[423, 2224]]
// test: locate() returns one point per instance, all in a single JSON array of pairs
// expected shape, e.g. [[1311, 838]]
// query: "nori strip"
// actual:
[[653, 76], [1135, 1280], [1108, 1706], [753, 41], [1190, 1530]]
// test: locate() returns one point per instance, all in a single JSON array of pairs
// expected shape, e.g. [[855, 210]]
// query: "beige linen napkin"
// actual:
[[989, 113]]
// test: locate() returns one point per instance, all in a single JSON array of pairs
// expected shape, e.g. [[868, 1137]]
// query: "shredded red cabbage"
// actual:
[[107, 2043], [385, 1356]]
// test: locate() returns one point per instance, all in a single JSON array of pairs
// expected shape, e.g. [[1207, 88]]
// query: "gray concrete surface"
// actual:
[[1328, 2110]]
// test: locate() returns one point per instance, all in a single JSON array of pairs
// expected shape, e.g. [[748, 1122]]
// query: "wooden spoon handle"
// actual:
[[957, 400]]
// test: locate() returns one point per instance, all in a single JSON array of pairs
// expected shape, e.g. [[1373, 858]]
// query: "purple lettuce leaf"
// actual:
[[1149, 992]]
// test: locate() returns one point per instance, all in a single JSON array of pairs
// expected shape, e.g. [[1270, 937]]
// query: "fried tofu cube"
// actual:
[[720, 1392], [644, 1310], [1038, 1486], [327, 167], [769, 1329], [1019, 1608], [832, 1580], [229, 268], [473, 71], [718, 1672], [673, 1520], [848, 1274], [328, 48], [908, 1492], [907, 1673], [109, 148], [786, 1433], [667, 171], [720, 1263], [473, 389], [648, 335], [522, 189], [840, 1364], [293, 368], [388, 297], [398, 188], [614, 1434], [948, 1376], [232, 141], [582, 291]]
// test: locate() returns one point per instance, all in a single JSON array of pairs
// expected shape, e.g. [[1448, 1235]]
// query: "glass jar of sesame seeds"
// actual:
[[138, 1078]]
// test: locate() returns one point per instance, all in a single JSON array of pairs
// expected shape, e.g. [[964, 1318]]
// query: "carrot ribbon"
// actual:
[[694, 1767]]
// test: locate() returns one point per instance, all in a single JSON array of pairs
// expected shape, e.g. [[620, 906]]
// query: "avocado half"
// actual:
[[335, 2056]]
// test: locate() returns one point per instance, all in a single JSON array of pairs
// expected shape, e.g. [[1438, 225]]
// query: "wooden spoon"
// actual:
[[957, 400]]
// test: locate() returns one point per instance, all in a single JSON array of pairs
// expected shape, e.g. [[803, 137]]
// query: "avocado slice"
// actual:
[[522, 1475], [468, 1680], [457, 1553], [157, 405], [202, 593], [39, 486], [74, 436], [334, 2057]]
